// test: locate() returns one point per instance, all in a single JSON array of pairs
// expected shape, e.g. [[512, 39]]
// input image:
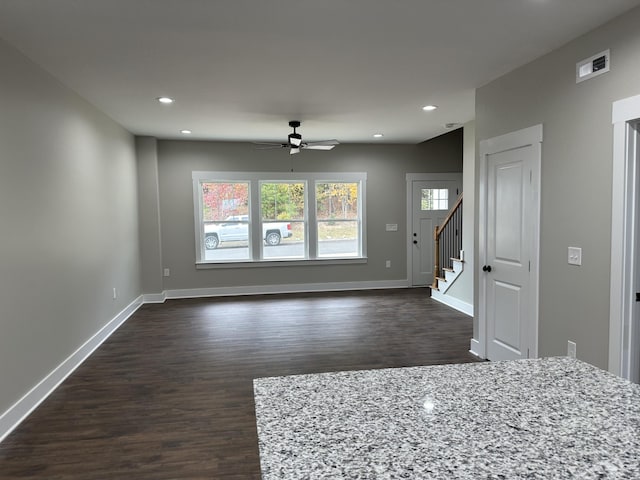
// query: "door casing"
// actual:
[[624, 324]]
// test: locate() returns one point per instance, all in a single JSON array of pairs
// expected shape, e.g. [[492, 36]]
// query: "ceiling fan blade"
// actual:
[[269, 145], [318, 147], [294, 150], [322, 145], [323, 142]]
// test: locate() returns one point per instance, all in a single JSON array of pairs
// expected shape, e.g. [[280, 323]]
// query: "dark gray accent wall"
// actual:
[[385, 165]]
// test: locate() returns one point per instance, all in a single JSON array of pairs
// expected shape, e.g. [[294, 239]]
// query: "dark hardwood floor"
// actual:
[[170, 394]]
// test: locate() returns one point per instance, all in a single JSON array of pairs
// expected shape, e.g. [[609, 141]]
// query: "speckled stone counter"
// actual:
[[545, 419]]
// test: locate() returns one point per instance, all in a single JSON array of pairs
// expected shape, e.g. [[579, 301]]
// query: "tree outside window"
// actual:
[[337, 214]]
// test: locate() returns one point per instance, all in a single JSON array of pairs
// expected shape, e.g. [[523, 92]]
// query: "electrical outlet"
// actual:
[[575, 256], [388, 264], [166, 272], [571, 349]]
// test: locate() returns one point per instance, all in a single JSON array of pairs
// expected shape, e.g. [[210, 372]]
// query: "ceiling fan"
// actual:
[[295, 143]]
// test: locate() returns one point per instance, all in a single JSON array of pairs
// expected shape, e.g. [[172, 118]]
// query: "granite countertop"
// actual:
[[552, 418]]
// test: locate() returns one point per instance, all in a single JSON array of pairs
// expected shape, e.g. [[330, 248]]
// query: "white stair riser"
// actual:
[[450, 277]]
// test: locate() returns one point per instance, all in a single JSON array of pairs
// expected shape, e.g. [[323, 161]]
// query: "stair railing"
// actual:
[[449, 235]]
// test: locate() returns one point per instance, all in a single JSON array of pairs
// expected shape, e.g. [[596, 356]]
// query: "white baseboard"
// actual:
[[154, 297], [452, 302], [475, 349], [287, 288], [10, 419]]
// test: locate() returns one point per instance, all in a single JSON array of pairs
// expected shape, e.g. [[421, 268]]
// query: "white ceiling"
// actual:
[[241, 69]]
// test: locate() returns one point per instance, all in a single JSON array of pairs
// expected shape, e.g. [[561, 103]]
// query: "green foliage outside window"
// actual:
[[282, 201]]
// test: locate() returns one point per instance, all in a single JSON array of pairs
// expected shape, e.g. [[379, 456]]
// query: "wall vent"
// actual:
[[592, 66]]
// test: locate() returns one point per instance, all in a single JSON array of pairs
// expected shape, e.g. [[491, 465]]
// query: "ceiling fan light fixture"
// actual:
[[294, 150], [295, 139]]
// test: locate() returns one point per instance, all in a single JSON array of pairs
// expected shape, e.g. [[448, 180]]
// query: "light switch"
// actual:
[[575, 256], [391, 227]]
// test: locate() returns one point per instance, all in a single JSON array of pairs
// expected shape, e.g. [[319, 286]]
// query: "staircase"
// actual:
[[449, 261], [443, 283]]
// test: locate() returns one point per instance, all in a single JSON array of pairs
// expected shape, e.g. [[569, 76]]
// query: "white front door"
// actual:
[[509, 253], [431, 201]]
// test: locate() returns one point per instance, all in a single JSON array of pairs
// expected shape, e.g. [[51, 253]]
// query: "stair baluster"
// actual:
[[447, 240]]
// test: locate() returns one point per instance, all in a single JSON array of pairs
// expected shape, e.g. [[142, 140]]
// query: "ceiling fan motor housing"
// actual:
[[295, 139]]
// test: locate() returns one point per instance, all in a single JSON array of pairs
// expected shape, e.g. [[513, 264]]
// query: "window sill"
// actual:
[[281, 263]]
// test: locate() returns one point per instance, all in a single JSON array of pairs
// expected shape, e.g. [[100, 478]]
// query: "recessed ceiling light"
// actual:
[[429, 108], [378, 135], [165, 100], [186, 132]]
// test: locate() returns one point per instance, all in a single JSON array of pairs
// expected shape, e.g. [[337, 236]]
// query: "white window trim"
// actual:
[[255, 244]]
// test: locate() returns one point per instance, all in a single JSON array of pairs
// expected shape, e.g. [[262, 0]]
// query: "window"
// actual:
[[435, 199], [338, 219], [282, 212], [225, 219], [279, 217]]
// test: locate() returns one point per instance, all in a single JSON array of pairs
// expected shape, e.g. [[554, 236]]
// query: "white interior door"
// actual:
[[431, 201], [509, 253]]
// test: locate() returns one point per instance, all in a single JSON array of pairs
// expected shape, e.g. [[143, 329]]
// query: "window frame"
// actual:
[[255, 179]]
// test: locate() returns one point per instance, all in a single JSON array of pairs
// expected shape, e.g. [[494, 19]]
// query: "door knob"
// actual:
[[486, 268]]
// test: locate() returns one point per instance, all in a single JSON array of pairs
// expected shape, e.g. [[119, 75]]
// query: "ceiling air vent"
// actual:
[[592, 66]]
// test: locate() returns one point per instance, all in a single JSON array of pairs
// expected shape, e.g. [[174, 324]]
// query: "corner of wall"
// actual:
[[151, 278]]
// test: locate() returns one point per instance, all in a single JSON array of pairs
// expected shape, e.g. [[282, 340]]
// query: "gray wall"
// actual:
[[462, 289], [576, 175], [68, 210], [149, 208], [386, 167]]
